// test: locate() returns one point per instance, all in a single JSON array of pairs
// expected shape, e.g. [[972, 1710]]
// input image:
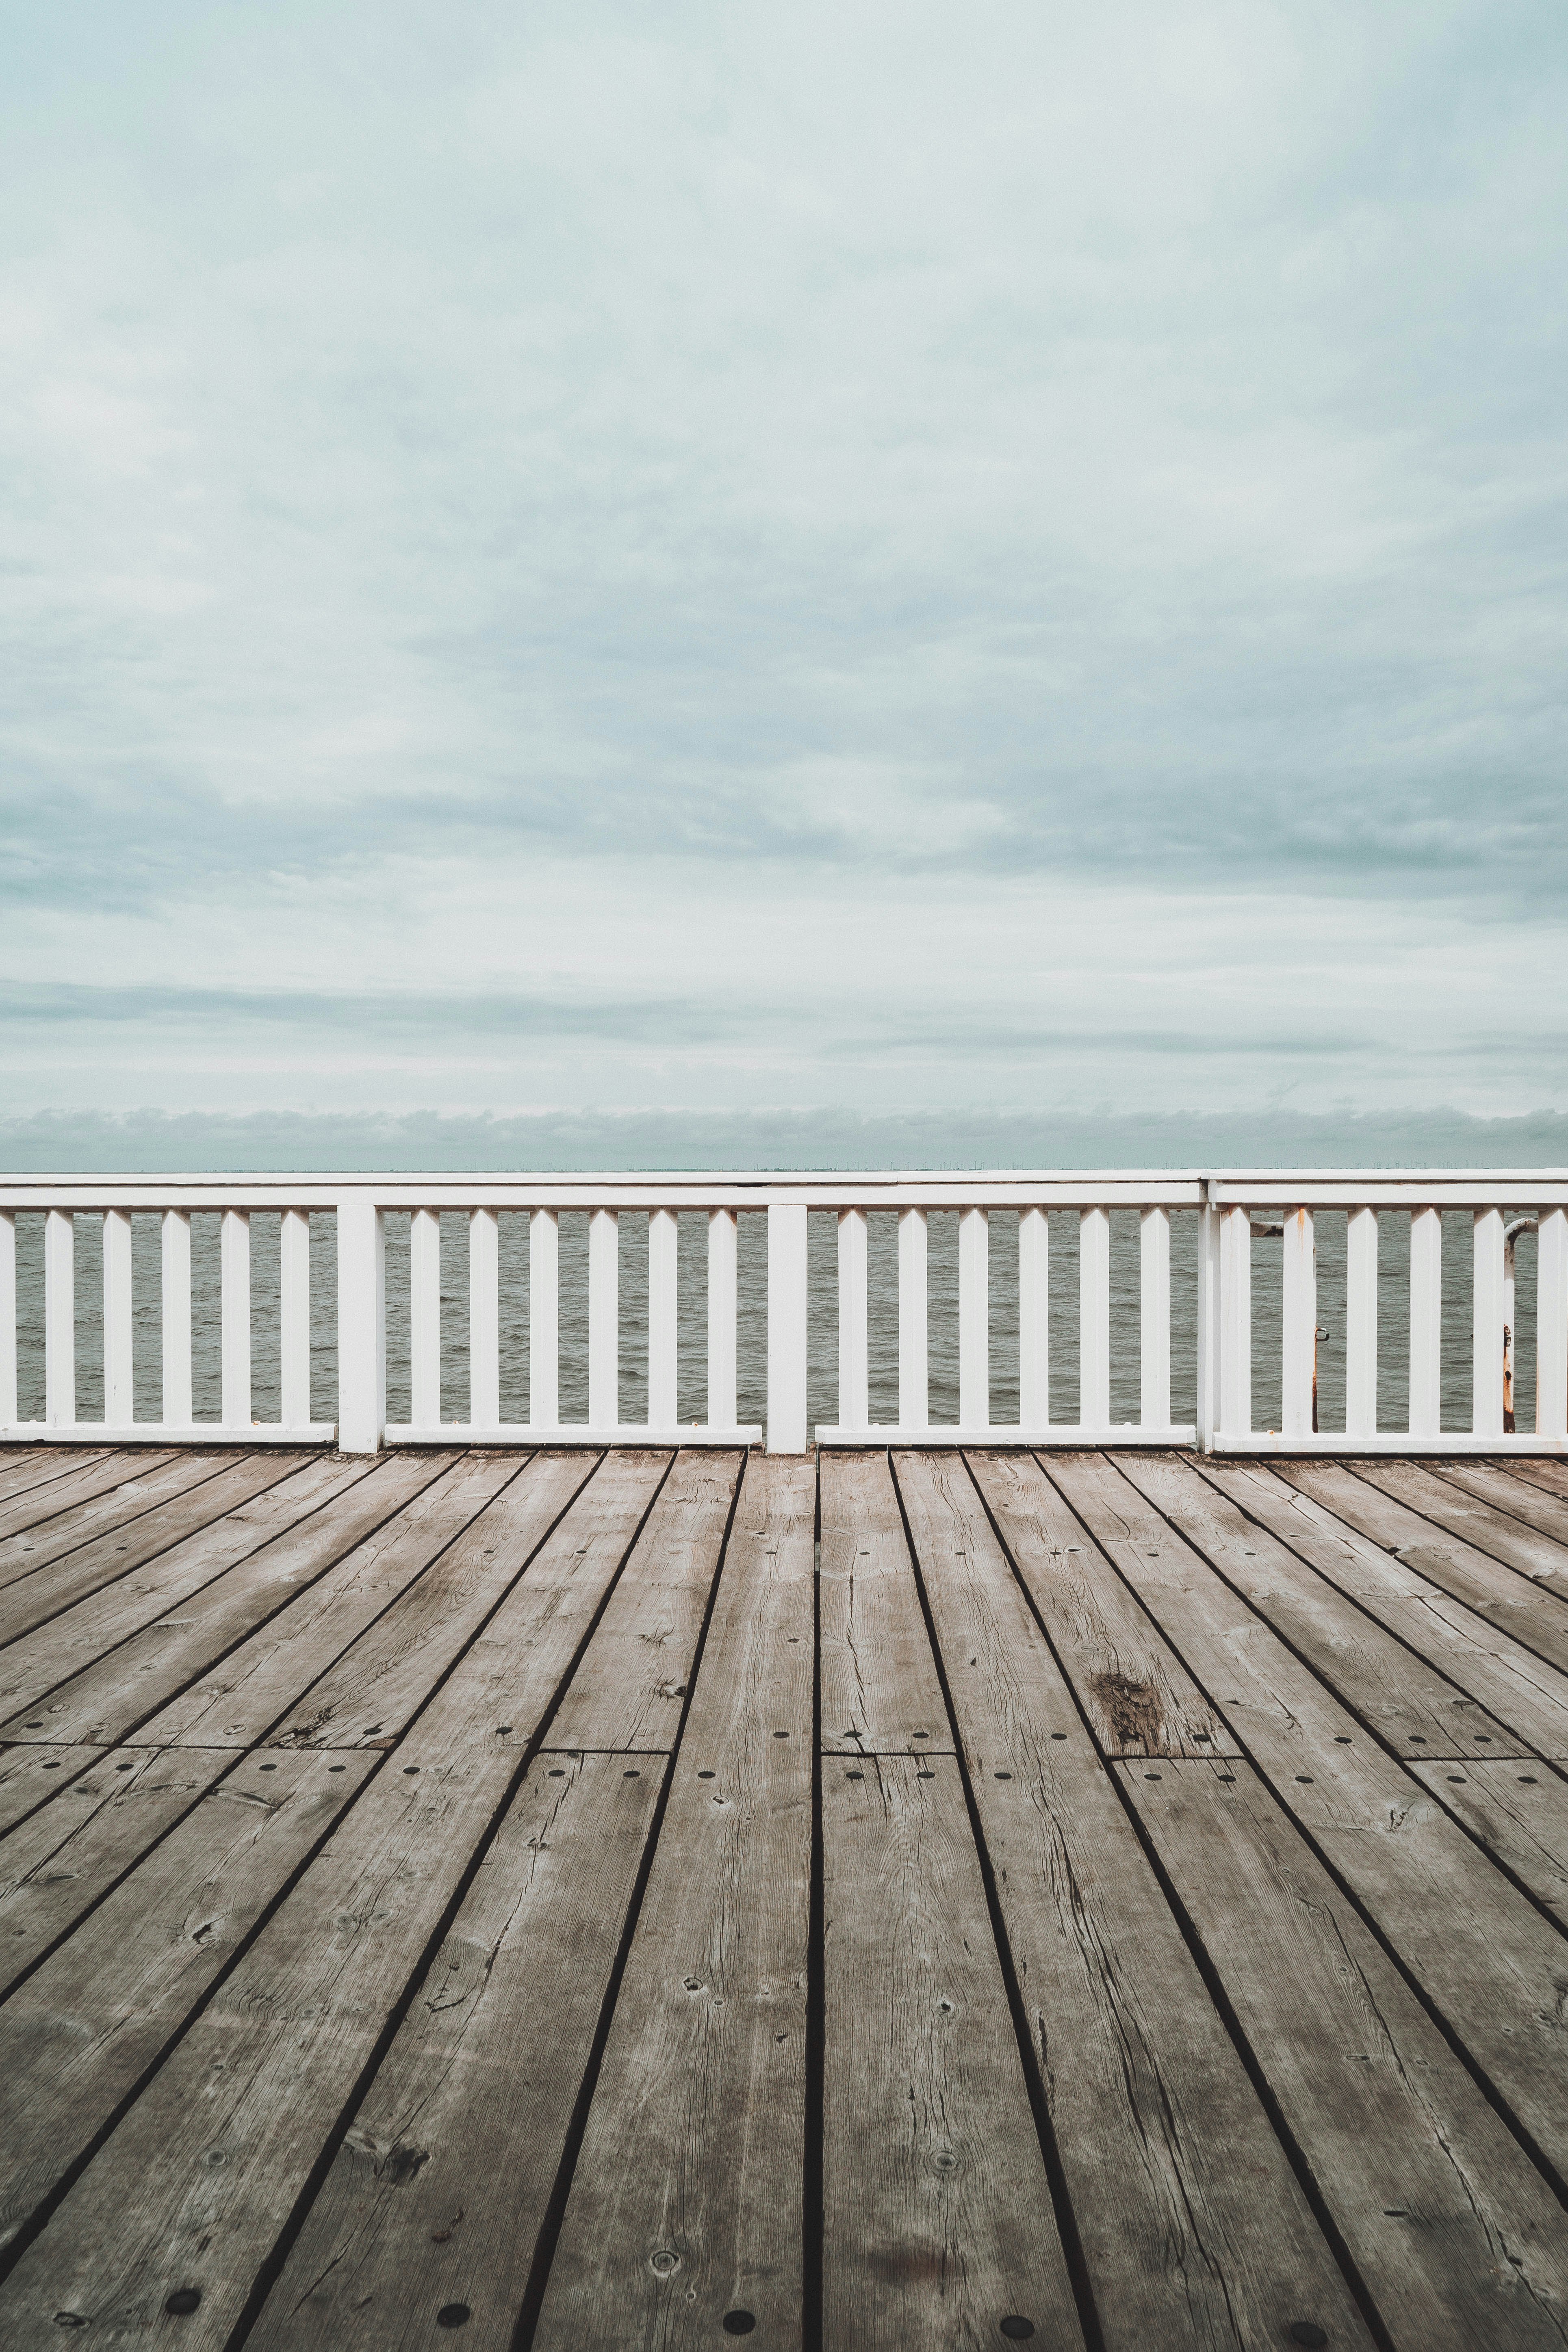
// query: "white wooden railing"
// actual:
[[1228, 1212]]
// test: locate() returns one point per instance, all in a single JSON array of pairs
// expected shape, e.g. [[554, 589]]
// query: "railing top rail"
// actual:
[[958, 1188]]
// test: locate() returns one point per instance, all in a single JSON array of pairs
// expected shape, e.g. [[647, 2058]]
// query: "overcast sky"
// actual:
[[898, 559]]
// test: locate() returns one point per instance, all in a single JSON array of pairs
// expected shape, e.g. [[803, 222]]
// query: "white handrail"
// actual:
[[1223, 1207]]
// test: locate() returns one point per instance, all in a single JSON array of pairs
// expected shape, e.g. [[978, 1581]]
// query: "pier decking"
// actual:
[[645, 1898]]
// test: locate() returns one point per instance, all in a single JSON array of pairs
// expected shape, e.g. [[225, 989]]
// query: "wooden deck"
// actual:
[[651, 1899]]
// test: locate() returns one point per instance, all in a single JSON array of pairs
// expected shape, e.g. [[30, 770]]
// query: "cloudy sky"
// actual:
[[699, 558]]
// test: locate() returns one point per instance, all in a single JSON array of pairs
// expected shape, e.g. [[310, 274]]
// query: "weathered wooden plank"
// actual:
[[1492, 1671], [97, 1518], [375, 1689], [685, 2214], [1455, 2233], [75, 1483], [938, 2224], [1523, 1607], [1550, 1475], [59, 1862], [1195, 2229], [880, 1692], [1139, 1699], [1457, 1512], [1388, 1675], [264, 2073], [31, 1777], [45, 1591], [85, 2027], [154, 1666], [437, 2194], [310, 1518], [1519, 1812], [1493, 1483], [238, 1699], [1275, 1706], [630, 1688], [25, 1467], [1486, 1959]]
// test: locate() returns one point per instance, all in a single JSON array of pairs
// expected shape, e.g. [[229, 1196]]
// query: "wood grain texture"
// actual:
[[1458, 2238], [1519, 1812], [880, 1692], [239, 1698], [1448, 1505], [1136, 1694], [630, 1689], [1527, 1610], [686, 2203], [1550, 1477], [938, 2220], [1278, 1708], [1493, 1967], [24, 1468], [101, 1539], [1493, 1483], [85, 2026], [1391, 1685], [66, 1856], [31, 1777], [1484, 1668], [116, 1657], [1194, 2227], [51, 1508], [35, 1601], [439, 2191], [266, 2070], [565, 1522]]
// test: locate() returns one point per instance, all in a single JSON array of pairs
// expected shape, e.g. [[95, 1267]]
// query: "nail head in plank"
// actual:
[[686, 2201], [937, 2209], [87, 2024], [439, 2191], [1422, 2176], [880, 1683]]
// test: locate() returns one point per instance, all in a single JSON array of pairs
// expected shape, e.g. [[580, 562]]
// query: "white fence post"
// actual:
[[1299, 1324], [119, 1399], [234, 1261], [1208, 1333], [545, 1318], [604, 1320], [8, 1318], [1552, 1324], [854, 1411], [1235, 1321], [786, 1329], [1154, 1319], [294, 1317], [424, 1318], [723, 1301], [1486, 1417], [60, 1318], [663, 1306], [914, 1405], [1033, 1319], [484, 1319], [1361, 1323], [974, 1320], [1094, 1318], [362, 1326], [1425, 1322], [176, 1235]]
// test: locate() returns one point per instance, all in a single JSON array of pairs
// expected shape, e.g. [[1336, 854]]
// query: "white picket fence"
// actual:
[[1228, 1209]]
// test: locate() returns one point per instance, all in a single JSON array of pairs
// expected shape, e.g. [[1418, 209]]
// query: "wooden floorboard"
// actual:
[[651, 1899]]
